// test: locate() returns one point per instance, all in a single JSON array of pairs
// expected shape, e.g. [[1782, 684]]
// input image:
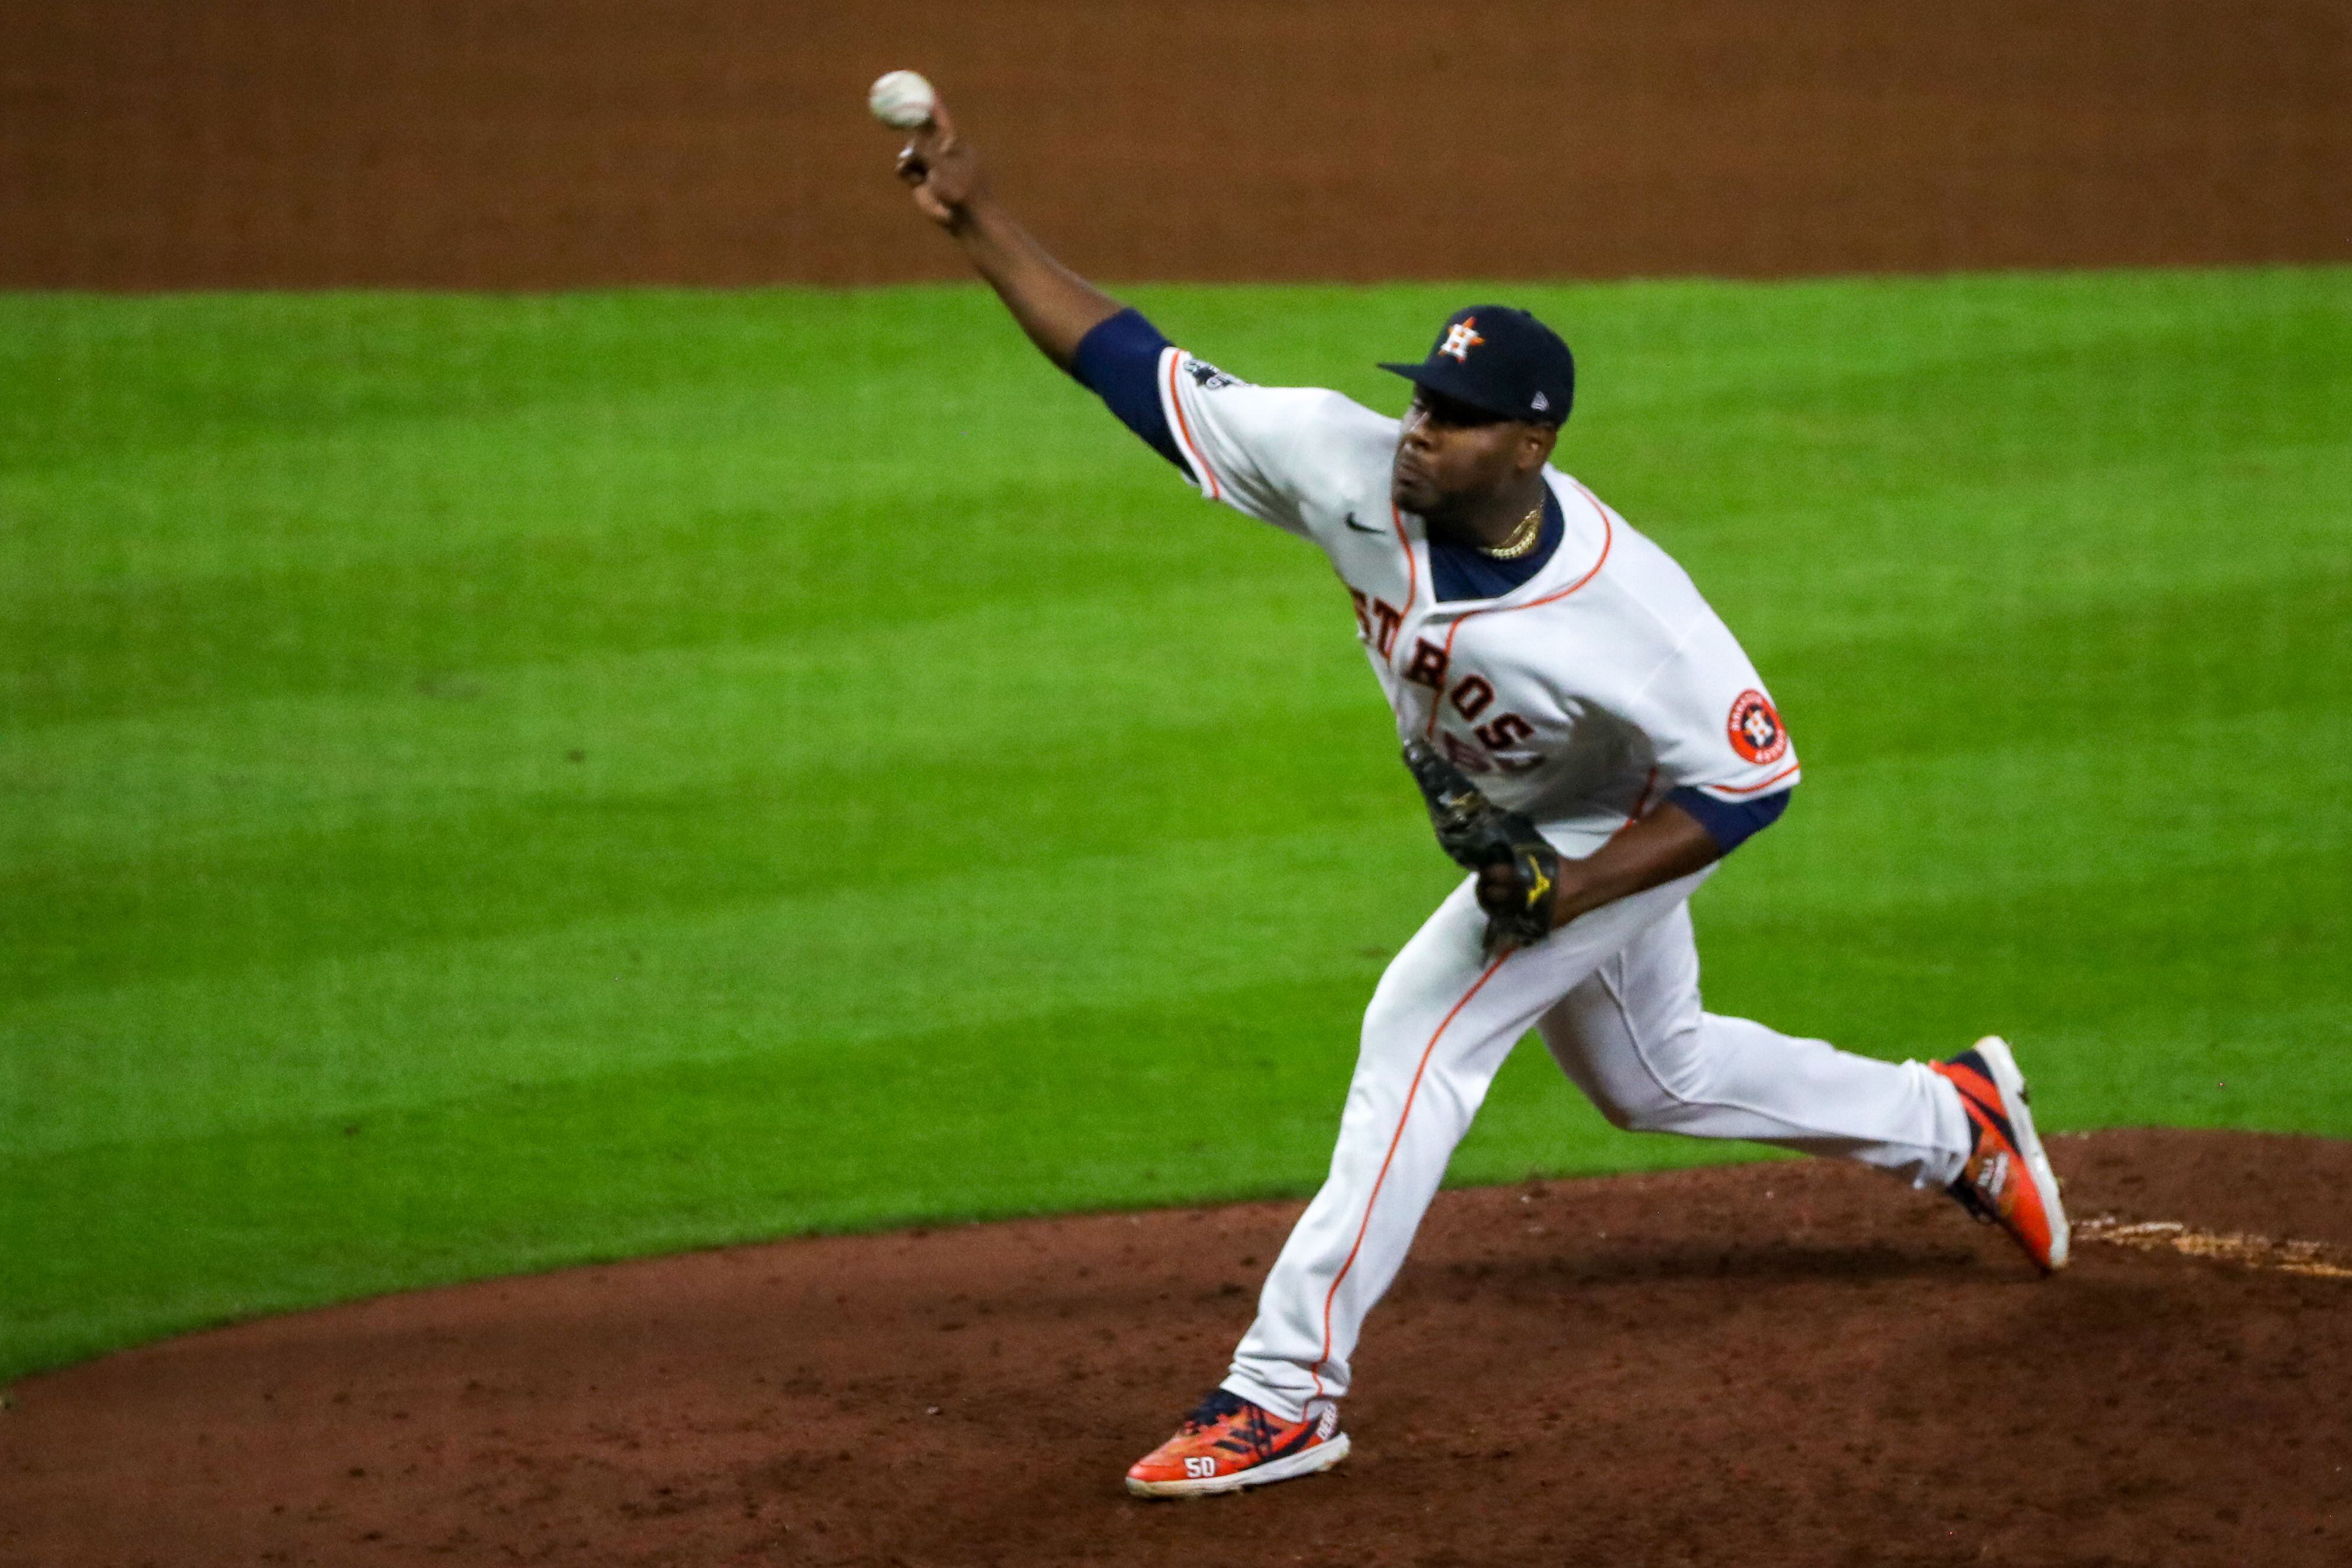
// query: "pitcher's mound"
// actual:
[[1778, 1364]]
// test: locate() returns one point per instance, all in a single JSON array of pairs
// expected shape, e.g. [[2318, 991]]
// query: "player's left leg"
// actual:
[[1442, 1021], [1440, 1025]]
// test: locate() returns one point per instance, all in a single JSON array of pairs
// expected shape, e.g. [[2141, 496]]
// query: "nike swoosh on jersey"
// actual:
[[1360, 528]]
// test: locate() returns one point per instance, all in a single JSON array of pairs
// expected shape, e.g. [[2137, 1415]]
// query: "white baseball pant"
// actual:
[[1615, 995]]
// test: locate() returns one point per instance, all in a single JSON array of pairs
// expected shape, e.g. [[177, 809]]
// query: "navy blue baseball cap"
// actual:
[[1500, 360]]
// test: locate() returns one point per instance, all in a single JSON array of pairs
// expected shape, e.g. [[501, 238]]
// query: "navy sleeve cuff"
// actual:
[[1118, 361], [1731, 823]]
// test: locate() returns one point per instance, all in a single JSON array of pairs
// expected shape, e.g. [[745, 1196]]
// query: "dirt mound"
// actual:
[[556, 142], [1780, 1364]]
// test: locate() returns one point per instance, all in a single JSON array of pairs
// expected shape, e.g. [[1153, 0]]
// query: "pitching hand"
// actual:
[[942, 170]]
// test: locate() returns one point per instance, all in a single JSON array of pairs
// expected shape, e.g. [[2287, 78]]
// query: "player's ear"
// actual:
[[1536, 444]]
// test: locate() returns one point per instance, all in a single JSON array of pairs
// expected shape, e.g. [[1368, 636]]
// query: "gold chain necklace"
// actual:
[[1522, 539]]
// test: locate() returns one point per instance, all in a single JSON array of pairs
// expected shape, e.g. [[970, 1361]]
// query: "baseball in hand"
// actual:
[[902, 99]]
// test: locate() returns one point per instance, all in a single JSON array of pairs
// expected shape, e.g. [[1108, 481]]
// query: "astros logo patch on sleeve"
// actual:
[[1754, 728]]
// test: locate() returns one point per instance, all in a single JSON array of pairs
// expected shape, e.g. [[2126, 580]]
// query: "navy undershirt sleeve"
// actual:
[[1118, 361], [1731, 823]]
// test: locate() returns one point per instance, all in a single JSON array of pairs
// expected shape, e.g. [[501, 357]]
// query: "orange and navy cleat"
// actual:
[[2007, 1180], [1227, 1443]]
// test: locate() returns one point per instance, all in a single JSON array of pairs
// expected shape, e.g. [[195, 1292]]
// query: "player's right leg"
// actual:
[[1634, 1037], [2007, 1180]]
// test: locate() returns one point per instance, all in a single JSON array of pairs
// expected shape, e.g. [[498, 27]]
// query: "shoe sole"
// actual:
[[2012, 1084], [1305, 1462]]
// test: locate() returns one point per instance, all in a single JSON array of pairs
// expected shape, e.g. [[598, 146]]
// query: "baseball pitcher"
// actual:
[[1592, 741]]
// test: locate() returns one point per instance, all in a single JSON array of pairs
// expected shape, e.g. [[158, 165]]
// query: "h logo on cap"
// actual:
[[1460, 339]]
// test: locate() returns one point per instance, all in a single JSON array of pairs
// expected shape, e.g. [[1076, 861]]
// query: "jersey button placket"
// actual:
[[1420, 663]]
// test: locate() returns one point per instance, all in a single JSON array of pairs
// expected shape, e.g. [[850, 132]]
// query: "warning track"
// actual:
[[285, 143]]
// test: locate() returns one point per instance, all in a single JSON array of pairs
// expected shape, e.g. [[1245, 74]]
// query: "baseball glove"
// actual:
[[1518, 873]]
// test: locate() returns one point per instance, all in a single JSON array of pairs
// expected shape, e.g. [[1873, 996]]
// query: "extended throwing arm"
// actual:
[[1054, 305]]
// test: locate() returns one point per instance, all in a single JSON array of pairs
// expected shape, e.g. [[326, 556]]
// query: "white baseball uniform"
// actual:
[[1581, 697]]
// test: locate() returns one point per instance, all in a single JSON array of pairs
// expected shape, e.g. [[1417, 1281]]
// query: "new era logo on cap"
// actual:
[[1521, 370]]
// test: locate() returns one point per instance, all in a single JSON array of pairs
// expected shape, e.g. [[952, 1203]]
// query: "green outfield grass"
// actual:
[[489, 783]]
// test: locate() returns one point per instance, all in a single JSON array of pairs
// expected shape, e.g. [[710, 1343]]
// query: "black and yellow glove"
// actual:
[[1518, 873]]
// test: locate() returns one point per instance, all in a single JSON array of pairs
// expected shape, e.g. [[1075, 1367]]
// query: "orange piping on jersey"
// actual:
[[1751, 789], [1411, 566], [1642, 800], [1184, 430], [1397, 1137], [1608, 539]]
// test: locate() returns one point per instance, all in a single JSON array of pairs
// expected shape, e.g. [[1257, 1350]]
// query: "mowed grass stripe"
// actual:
[[631, 461], [751, 794], [680, 1154], [954, 792], [766, 978], [543, 1172], [793, 979], [986, 679]]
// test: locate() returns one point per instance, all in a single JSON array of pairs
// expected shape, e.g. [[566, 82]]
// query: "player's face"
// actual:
[[1450, 455]]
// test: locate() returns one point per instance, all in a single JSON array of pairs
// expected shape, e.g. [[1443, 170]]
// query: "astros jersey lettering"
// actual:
[[1581, 697]]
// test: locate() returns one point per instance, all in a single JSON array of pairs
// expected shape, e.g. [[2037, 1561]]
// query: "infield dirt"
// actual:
[[1779, 1363]]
